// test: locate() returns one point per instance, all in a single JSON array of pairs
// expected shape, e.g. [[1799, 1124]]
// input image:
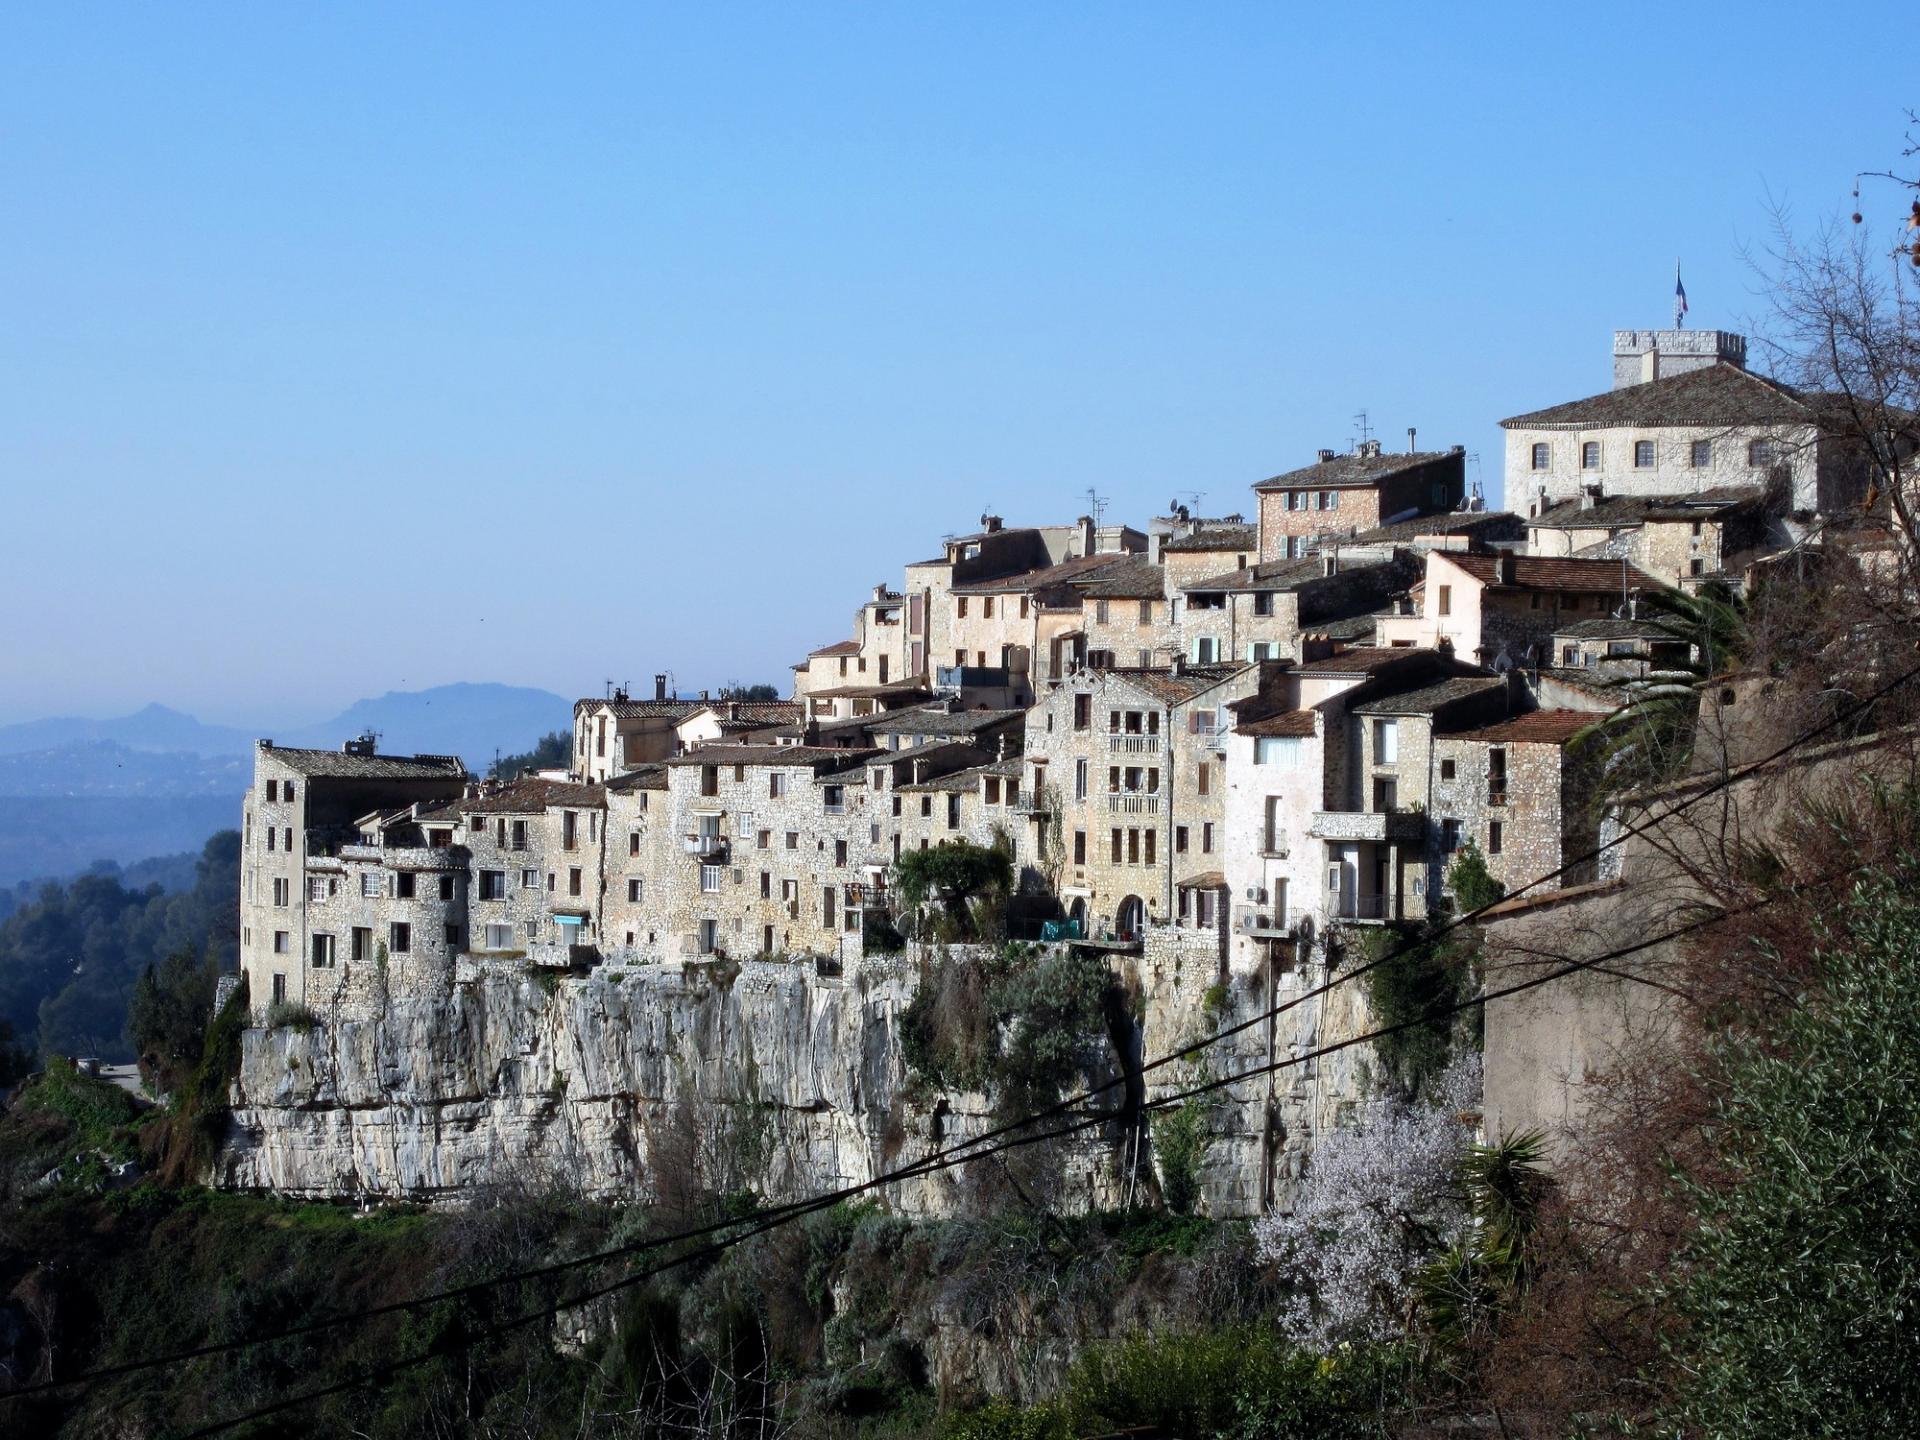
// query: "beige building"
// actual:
[[1339, 495], [619, 733], [330, 812], [1505, 605]]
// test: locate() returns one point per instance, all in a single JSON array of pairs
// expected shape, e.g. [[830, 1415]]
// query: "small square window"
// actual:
[[1446, 769]]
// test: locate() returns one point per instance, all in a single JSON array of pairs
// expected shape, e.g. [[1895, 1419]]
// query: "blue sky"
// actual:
[[344, 349]]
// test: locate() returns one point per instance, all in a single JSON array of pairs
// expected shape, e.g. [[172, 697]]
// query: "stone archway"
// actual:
[[1130, 920]]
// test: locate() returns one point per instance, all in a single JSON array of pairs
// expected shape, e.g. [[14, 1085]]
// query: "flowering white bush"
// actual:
[[1376, 1203]]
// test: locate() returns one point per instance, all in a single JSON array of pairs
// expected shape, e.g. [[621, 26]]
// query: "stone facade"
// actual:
[[1343, 494]]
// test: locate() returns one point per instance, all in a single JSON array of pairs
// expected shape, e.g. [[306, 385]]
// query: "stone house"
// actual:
[[1522, 792], [1124, 781], [1703, 428], [1341, 494], [981, 805], [1506, 606], [777, 849], [618, 733], [1317, 825], [945, 723], [1263, 612], [535, 851], [641, 846], [307, 805], [732, 720]]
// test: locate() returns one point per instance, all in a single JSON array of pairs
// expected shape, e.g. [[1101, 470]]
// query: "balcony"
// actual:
[[1260, 922], [1365, 908], [1126, 744], [704, 845], [1496, 792], [1377, 826], [1133, 802]]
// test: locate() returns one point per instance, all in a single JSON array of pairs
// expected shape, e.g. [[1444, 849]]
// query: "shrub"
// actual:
[[1472, 883], [1179, 1145], [292, 1015]]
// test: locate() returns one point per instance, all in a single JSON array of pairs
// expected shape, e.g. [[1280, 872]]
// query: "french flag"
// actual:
[[1679, 299]]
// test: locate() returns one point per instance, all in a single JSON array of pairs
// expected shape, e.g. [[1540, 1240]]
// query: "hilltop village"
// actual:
[[1213, 734]]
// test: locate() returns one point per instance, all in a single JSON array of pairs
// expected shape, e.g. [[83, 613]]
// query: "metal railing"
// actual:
[[1365, 907], [1133, 802], [703, 844], [1120, 743]]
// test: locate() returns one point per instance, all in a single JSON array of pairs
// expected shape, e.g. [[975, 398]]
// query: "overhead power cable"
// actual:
[[967, 1150]]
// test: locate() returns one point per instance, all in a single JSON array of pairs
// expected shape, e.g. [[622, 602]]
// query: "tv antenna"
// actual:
[[1097, 503], [1364, 426]]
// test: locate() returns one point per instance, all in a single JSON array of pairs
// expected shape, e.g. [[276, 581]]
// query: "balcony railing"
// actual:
[[703, 844], [1365, 907], [1133, 802], [1126, 744], [1377, 826], [1496, 791]]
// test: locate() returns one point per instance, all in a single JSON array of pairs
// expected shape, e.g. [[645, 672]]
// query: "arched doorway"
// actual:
[[1130, 920], [1077, 913]]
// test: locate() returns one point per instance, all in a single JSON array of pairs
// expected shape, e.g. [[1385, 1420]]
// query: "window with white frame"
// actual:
[[1282, 750], [1386, 742], [709, 879]]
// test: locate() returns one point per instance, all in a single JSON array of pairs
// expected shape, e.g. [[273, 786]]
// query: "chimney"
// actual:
[[1457, 450], [1410, 445], [1086, 535], [1368, 449], [1156, 546], [1179, 666], [810, 732], [991, 524], [1588, 495], [1506, 567], [733, 709], [659, 687], [1325, 456], [1649, 365], [703, 695]]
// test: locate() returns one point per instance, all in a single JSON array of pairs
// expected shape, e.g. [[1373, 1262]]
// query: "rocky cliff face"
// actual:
[[630, 1085]]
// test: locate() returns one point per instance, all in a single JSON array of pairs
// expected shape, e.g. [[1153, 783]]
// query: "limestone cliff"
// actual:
[[768, 1076]]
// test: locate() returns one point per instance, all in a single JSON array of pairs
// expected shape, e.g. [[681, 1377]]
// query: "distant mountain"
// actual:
[[74, 792], [470, 721], [154, 728]]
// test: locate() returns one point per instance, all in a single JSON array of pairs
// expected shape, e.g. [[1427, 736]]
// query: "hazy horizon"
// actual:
[[351, 352]]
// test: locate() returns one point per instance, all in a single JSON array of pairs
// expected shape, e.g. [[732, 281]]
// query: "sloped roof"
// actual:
[[1604, 514], [1451, 522], [1287, 722], [839, 647], [531, 796], [1610, 629], [1539, 727], [1170, 688], [339, 765], [640, 709], [1268, 575], [1081, 567], [1344, 470], [641, 777], [1541, 572], [1718, 394], [1429, 698], [1362, 660], [1137, 579], [930, 720], [789, 755], [1214, 537]]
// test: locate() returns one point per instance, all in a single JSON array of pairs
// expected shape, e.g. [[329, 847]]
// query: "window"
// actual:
[[1082, 712], [1206, 650], [529, 879], [453, 937], [573, 880], [1283, 750], [709, 879], [1760, 453], [272, 834], [793, 839], [1079, 847], [835, 797], [926, 807], [633, 842], [709, 936], [1100, 611], [1146, 612], [1700, 454], [1274, 829], [1696, 566], [282, 943], [1133, 847], [323, 952], [273, 790], [279, 988], [1263, 603], [1449, 835], [499, 937], [316, 887], [362, 944], [1446, 599], [1643, 454], [1333, 878], [280, 892], [776, 784], [1080, 779], [1206, 838], [840, 854], [1152, 837], [763, 840], [986, 607], [569, 830], [1542, 456], [1446, 769], [633, 892], [370, 884], [953, 812], [1493, 837], [1386, 742], [399, 938], [403, 885], [446, 887], [493, 884], [1114, 848], [960, 606], [1590, 455]]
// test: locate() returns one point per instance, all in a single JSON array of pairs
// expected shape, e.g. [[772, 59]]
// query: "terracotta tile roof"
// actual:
[[1719, 394], [893, 690], [1287, 722], [1214, 537], [641, 777], [1430, 698], [1172, 689], [1361, 661], [639, 709], [1205, 880], [1540, 727], [1345, 470], [1137, 579], [1540, 572], [338, 765], [785, 755], [532, 797], [1081, 567], [931, 720]]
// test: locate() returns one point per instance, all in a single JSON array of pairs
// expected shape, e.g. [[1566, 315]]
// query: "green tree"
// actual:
[[554, 750], [1799, 1285], [733, 690], [1472, 883], [168, 1013]]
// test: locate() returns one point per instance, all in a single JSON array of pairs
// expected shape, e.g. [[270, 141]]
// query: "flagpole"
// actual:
[[1679, 298]]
